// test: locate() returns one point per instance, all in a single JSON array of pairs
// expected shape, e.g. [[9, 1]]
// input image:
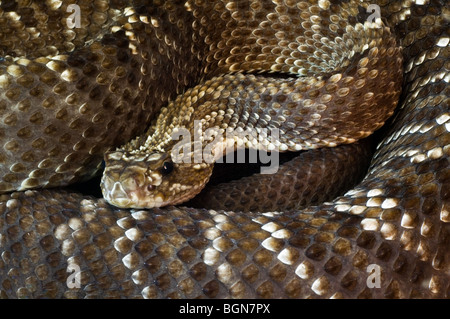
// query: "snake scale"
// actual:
[[68, 95]]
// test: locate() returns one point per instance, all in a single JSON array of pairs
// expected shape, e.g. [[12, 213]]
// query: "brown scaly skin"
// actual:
[[307, 112], [340, 99], [61, 113], [310, 178], [397, 218]]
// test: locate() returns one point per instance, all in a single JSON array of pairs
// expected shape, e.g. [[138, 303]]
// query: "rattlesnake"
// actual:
[[59, 112]]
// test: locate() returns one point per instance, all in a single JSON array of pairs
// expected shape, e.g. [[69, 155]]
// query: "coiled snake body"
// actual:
[[70, 95]]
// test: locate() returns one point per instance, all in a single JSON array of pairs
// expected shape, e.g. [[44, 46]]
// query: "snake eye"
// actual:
[[167, 168]]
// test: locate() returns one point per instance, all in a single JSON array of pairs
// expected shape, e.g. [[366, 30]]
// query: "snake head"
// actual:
[[133, 180]]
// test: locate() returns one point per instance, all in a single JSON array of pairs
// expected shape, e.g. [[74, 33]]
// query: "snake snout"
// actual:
[[119, 195]]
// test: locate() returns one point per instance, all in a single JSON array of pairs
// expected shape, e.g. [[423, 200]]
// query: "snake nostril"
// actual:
[[139, 180]]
